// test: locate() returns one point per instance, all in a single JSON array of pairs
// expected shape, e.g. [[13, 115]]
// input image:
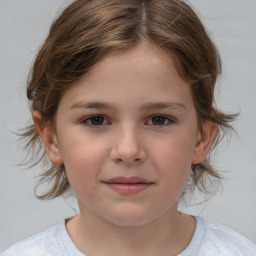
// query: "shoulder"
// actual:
[[41, 244], [224, 241]]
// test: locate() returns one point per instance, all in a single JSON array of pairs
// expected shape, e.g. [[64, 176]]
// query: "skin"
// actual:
[[147, 127]]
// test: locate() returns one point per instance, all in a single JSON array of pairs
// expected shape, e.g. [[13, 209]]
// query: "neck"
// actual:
[[170, 234]]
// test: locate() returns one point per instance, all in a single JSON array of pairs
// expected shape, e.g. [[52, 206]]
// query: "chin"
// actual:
[[130, 219]]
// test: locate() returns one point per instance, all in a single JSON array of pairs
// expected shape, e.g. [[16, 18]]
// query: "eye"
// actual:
[[160, 120], [95, 121]]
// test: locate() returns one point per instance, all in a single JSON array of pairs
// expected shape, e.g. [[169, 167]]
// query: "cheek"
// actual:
[[83, 164], [172, 158], [174, 154]]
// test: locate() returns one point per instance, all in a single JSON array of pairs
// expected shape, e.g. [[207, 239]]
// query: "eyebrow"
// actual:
[[144, 107], [162, 105], [96, 105]]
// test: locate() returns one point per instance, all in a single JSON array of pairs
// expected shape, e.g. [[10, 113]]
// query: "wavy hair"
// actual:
[[88, 30]]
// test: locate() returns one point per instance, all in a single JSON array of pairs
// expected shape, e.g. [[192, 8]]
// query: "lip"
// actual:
[[128, 185]]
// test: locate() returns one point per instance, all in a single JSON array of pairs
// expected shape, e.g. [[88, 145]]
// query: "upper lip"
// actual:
[[127, 180]]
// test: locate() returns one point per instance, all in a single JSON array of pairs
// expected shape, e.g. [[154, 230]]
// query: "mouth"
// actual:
[[128, 185]]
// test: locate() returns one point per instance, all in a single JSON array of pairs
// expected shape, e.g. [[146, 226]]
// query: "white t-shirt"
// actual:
[[210, 239]]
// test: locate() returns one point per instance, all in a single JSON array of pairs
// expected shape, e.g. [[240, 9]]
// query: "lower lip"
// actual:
[[128, 189]]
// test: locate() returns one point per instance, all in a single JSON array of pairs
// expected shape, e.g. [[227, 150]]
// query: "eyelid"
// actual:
[[85, 120], [170, 120]]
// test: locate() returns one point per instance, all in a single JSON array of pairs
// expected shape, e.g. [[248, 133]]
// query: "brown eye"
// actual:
[[160, 120], [95, 121]]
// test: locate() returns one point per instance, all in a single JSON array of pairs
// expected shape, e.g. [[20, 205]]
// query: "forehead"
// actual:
[[136, 75], [143, 55]]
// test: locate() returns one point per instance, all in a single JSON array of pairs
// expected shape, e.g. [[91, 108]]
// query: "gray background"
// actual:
[[23, 26]]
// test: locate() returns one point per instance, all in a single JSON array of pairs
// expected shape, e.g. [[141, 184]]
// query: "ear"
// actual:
[[204, 142], [49, 138]]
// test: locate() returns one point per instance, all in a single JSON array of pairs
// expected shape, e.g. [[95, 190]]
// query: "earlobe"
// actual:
[[204, 142], [49, 138]]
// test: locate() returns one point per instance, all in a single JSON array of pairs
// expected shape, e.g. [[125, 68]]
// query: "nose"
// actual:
[[128, 147]]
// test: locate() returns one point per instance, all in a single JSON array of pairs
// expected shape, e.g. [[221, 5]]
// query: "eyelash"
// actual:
[[88, 121], [167, 120]]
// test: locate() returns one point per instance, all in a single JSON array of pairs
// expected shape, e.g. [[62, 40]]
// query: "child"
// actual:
[[122, 99]]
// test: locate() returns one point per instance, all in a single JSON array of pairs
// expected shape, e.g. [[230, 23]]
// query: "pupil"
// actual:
[[158, 120], [97, 120]]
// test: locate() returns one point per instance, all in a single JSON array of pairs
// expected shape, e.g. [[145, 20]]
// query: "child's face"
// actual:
[[131, 116]]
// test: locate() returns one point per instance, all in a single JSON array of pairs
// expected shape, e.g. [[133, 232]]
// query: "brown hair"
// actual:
[[88, 30]]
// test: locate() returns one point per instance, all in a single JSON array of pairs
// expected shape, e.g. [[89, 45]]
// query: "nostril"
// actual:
[[127, 154], [129, 161]]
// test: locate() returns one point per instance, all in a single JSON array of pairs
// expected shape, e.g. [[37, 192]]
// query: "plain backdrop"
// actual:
[[24, 25]]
